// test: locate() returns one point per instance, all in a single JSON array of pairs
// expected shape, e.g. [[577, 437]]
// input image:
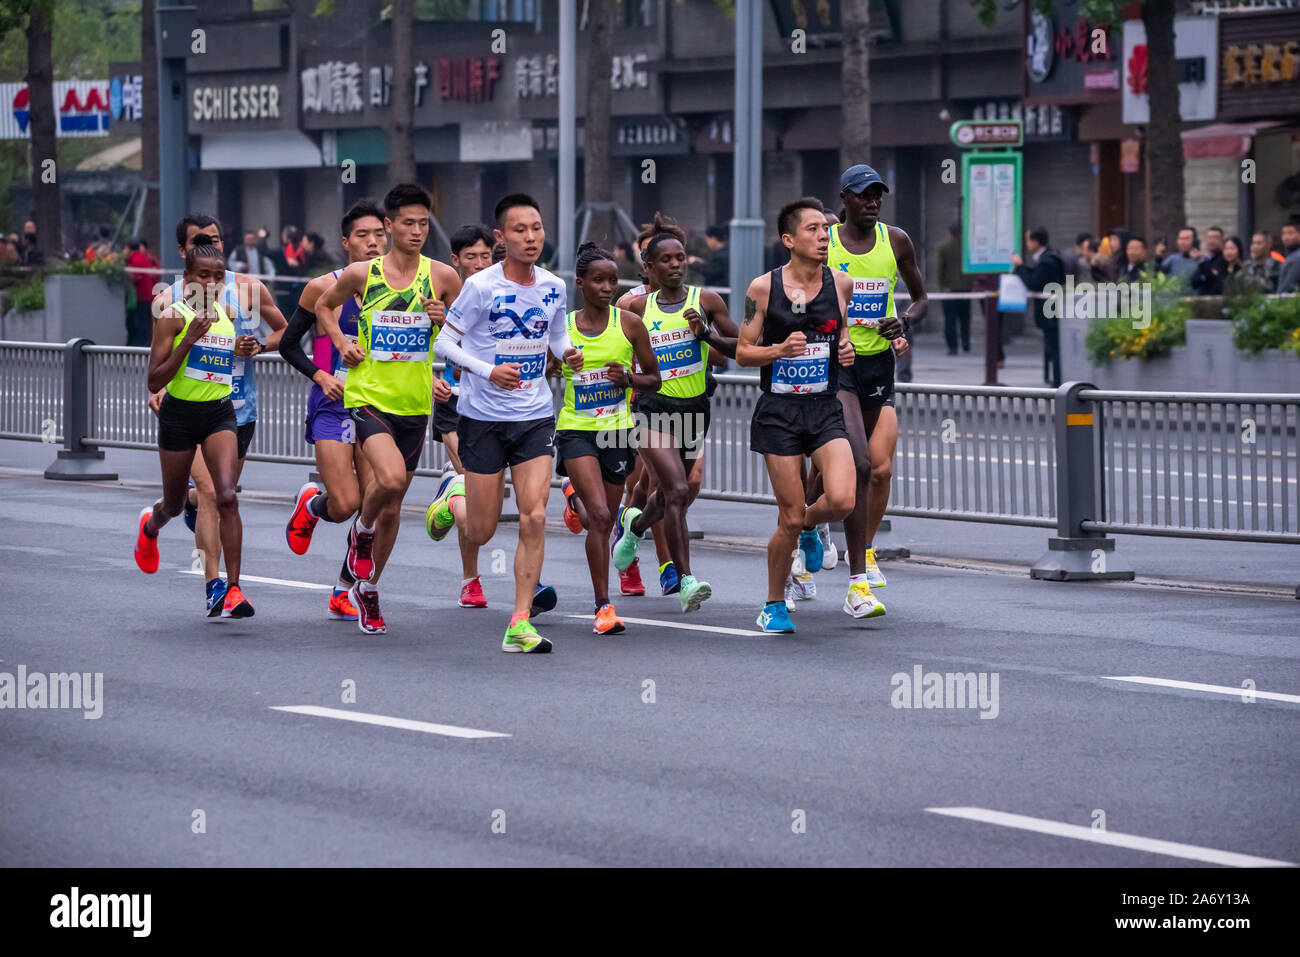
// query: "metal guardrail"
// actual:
[[1085, 461]]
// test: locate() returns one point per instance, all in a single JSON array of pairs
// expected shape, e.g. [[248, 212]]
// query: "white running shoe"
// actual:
[[860, 603], [874, 575], [799, 588], [830, 557], [797, 567]]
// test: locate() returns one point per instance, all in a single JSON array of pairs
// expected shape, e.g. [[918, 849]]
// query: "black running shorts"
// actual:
[[445, 418], [685, 420], [871, 378], [183, 424], [408, 431], [487, 448], [614, 449], [244, 437], [795, 425]]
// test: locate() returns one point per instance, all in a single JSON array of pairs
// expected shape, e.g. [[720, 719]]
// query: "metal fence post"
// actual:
[[76, 462], [1078, 555]]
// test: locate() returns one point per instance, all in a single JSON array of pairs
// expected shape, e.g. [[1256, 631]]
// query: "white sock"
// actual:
[[467, 581], [362, 528], [857, 578]]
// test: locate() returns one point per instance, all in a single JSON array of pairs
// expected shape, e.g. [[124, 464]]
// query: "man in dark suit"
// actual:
[[1042, 268]]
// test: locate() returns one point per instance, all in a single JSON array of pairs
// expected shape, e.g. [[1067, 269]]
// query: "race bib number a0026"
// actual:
[[809, 372], [869, 302], [210, 359], [400, 336], [529, 354]]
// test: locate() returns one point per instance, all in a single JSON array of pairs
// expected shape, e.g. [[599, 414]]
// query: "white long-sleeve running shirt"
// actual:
[[503, 321]]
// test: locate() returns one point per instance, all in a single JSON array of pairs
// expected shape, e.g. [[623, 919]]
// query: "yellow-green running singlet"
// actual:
[[874, 274], [395, 333], [591, 401], [207, 372], [681, 356]]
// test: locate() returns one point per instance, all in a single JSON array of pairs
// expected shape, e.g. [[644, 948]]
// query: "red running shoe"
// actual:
[[365, 597], [146, 548], [629, 579], [236, 605], [302, 522], [361, 562], [341, 607], [571, 518], [471, 595]]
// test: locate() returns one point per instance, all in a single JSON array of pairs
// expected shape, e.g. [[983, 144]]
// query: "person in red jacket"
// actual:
[[139, 322]]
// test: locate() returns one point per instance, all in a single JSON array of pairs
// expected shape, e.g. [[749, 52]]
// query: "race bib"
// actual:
[[595, 396], [340, 370], [210, 359], [678, 352], [869, 303], [530, 354], [400, 336], [806, 373], [237, 386]]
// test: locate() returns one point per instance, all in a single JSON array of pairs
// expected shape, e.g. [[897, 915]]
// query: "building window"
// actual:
[[639, 13], [504, 11]]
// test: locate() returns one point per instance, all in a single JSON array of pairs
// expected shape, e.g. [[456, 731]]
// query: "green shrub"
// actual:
[[27, 297], [1261, 323], [1117, 336]]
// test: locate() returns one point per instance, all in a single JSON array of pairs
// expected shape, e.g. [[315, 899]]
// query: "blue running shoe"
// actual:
[[216, 595], [544, 599], [811, 546], [191, 511], [668, 583], [774, 619]]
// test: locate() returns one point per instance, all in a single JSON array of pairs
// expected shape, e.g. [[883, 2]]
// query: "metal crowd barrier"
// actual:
[[1084, 461]]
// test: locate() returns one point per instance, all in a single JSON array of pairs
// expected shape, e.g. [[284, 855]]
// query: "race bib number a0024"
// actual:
[[869, 302], [210, 359], [809, 372], [400, 336], [529, 354]]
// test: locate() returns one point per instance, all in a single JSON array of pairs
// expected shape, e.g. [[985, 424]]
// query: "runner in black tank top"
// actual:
[[799, 312]]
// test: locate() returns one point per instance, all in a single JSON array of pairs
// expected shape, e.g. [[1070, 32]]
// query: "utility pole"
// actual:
[[747, 222], [176, 25], [568, 137]]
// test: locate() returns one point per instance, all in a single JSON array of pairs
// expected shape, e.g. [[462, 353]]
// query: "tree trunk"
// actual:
[[149, 227], [401, 112], [596, 123], [855, 83], [40, 83], [1166, 213]]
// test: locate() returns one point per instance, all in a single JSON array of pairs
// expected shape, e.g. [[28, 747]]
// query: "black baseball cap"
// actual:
[[858, 178]]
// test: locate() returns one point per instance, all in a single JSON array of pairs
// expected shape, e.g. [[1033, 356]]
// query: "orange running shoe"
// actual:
[[302, 522], [146, 548], [471, 594], [341, 607], [236, 605], [571, 517], [607, 622], [629, 579]]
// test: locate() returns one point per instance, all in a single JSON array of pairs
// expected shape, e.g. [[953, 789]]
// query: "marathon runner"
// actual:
[[798, 311], [244, 299], [499, 330], [594, 443], [874, 255], [389, 386], [330, 431], [191, 360], [683, 323]]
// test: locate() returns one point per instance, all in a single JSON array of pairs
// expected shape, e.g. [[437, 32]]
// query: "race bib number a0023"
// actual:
[[400, 336], [210, 359], [869, 302], [529, 354], [809, 372]]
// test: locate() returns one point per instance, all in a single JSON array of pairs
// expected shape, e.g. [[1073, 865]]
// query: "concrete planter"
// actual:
[[23, 326], [84, 306]]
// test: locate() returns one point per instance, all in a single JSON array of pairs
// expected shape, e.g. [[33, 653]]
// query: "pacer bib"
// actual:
[[809, 372], [870, 302]]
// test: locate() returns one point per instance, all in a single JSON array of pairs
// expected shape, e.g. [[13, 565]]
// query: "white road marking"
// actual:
[[714, 629], [1132, 841], [1211, 689], [270, 581], [405, 724]]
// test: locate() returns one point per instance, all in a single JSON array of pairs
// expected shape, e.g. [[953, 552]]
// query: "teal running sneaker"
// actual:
[[693, 594], [626, 542], [774, 619], [811, 546]]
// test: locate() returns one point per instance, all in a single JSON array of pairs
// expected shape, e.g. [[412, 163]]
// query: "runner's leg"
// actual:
[[222, 459], [883, 441], [786, 474], [598, 520], [207, 526], [531, 482], [855, 523]]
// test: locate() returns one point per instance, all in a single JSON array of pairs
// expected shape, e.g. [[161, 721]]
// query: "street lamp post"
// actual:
[[747, 222]]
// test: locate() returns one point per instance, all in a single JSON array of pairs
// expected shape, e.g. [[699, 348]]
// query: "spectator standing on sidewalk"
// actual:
[[1289, 278], [956, 312], [1043, 267], [139, 321], [1085, 251], [1262, 269]]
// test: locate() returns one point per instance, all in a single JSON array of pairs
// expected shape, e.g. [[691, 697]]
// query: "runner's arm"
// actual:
[[748, 352], [447, 346], [905, 254], [351, 282], [722, 333], [268, 310], [649, 378], [303, 319], [164, 360], [843, 294], [560, 343]]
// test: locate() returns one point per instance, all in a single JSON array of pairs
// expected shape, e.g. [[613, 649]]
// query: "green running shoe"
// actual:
[[693, 594], [438, 520], [625, 545], [522, 636]]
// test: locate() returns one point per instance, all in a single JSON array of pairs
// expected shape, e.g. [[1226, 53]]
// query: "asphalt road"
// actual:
[[745, 731]]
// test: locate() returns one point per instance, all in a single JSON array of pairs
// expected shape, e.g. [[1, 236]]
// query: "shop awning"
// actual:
[[1223, 139], [274, 149]]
